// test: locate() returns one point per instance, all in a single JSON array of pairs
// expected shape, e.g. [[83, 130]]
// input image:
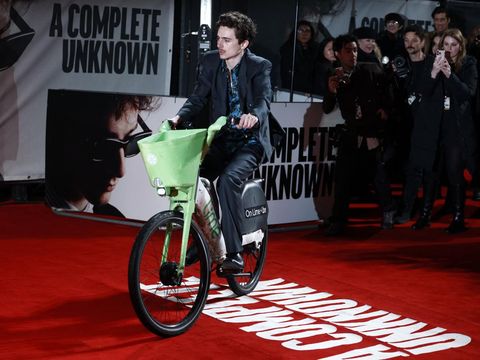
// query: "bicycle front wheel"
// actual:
[[166, 301], [254, 260]]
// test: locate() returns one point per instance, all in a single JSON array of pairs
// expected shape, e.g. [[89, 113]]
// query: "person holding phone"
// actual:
[[456, 73]]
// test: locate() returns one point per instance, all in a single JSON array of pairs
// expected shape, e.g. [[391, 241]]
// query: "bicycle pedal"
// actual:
[[224, 274], [249, 274]]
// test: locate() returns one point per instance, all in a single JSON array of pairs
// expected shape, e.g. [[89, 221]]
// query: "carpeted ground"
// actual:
[[369, 294]]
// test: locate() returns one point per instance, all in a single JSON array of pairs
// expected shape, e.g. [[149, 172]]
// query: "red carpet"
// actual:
[[394, 293]]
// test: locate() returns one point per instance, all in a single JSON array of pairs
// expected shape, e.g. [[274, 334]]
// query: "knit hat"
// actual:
[[365, 33], [395, 17]]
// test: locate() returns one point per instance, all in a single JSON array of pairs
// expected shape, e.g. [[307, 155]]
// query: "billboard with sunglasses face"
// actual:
[[89, 137], [98, 46]]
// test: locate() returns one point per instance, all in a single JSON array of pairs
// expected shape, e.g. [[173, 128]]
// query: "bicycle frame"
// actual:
[[182, 198]]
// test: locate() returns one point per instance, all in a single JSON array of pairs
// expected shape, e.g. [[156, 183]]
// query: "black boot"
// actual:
[[429, 191], [447, 208], [387, 219], [422, 222], [458, 222], [413, 181]]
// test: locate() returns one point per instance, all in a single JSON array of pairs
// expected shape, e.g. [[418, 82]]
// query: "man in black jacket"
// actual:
[[425, 109], [237, 84], [364, 98]]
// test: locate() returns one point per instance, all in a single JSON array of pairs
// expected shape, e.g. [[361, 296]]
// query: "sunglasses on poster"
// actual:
[[108, 148], [13, 45]]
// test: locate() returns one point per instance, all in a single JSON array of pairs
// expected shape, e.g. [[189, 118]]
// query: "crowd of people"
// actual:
[[409, 98]]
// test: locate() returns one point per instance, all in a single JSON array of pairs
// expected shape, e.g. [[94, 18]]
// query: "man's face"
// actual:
[[348, 55], [228, 45], [440, 22], [100, 177], [413, 43]]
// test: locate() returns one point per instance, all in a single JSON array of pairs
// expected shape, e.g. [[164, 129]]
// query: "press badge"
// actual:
[[446, 103]]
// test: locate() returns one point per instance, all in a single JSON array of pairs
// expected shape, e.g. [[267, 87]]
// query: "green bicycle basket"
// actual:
[[173, 156]]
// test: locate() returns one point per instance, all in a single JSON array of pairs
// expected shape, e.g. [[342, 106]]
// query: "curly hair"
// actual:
[[245, 28], [342, 40]]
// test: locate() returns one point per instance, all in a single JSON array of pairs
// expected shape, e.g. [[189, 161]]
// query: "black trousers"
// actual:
[[231, 164], [353, 161]]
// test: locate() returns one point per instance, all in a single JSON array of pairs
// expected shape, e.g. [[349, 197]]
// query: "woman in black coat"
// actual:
[[306, 53], [457, 74]]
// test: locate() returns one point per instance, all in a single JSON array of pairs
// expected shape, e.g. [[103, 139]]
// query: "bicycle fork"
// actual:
[[183, 198]]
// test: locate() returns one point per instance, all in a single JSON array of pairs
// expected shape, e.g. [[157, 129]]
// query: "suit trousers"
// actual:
[[231, 165]]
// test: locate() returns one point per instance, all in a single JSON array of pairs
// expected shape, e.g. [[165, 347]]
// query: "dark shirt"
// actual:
[[416, 80], [364, 57], [235, 137]]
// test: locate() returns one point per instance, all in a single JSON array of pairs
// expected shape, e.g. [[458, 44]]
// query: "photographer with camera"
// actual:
[[424, 109], [363, 95]]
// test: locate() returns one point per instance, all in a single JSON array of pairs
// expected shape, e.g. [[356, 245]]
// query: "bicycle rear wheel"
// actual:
[[254, 260], [165, 303]]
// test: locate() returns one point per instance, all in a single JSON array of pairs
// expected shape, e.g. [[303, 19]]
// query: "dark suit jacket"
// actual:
[[254, 88]]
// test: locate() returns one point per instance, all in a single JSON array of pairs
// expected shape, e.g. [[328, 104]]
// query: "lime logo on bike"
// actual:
[[152, 159], [256, 211]]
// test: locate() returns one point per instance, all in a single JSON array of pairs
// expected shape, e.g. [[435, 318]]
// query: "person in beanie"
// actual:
[[390, 40]]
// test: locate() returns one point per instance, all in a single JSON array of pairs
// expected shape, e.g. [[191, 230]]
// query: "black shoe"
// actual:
[[335, 228], [233, 264], [192, 255], [421, 223], [456, 227], [387, 220]]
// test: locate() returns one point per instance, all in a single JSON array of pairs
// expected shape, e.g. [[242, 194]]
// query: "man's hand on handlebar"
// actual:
[[247, 121], [174, 121]]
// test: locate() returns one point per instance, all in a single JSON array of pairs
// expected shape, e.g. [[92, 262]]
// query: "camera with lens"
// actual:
[[399, 65]]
